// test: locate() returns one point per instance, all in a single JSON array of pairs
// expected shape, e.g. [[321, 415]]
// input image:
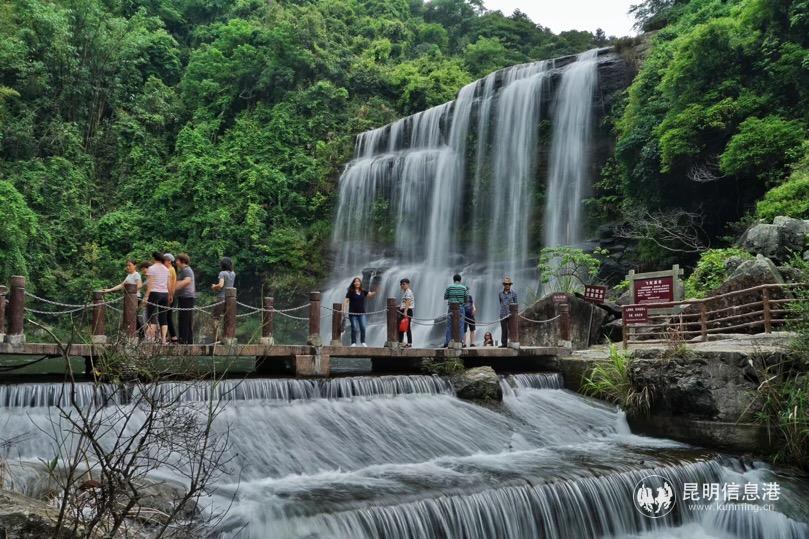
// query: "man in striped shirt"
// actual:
[[456, 293]]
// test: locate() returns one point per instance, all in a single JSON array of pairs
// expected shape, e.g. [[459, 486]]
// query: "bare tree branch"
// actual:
[[676, 231]]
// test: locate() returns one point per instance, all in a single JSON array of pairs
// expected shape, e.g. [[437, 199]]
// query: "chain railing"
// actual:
[[226, 310]]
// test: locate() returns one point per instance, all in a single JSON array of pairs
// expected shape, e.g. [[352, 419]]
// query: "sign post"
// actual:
[[648, 289], [595, 293]]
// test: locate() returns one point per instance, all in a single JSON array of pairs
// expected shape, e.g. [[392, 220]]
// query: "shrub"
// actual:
[[611, 381], [786, 414], [762, 147], [711, 271], [791, 198]]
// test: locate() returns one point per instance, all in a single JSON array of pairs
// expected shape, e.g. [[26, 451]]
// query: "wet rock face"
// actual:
[[480, 384], [716, 386], [781, 240]]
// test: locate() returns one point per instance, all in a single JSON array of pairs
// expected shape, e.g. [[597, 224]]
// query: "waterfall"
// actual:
[[396, 458], [568, 178], [453, 189]]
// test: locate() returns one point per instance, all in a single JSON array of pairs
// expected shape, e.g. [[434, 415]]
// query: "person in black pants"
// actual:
[[506, 297], [186, 293], [406, 305]]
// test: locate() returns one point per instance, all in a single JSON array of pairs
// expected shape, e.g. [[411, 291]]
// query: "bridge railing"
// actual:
[[13, 310], [764, 307]]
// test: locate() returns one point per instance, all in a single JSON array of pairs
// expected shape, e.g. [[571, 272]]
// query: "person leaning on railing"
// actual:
[[132, 277]]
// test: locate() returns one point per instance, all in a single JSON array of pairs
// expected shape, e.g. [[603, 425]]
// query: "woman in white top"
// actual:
[[157, 298], [132, 277], [406, 306]]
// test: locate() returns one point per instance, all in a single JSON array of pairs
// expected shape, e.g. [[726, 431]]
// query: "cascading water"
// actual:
[[568, 178], [405, 458], [452, 189]]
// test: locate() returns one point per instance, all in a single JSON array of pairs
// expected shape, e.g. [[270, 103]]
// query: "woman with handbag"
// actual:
[[406, 305]]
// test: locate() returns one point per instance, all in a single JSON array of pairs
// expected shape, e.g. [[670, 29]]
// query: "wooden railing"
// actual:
[[700, 318]]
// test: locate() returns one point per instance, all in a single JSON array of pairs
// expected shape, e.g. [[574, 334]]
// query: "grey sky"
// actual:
[[610, 15]]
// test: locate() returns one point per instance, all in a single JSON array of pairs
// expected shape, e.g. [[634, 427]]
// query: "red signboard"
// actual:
[[595, 293], [655, 290], [638, 314], [559, 297]]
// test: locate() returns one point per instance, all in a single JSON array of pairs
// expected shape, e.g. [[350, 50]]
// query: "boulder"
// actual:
[[779, 241], [749, 273], [479, 384], [586, 321], [708, 385]]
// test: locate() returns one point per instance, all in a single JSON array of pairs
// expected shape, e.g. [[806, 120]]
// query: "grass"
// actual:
[[786, 413], [611, 381]]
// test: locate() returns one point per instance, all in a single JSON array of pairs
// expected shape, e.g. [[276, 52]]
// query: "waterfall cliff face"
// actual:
[[402, 457], [456, 188]]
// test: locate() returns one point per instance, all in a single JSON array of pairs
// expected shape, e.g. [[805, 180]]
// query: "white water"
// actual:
[[569, 174], [452, 189], [407, 459]]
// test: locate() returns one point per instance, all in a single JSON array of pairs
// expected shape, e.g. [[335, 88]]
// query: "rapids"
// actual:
[[402, 457]]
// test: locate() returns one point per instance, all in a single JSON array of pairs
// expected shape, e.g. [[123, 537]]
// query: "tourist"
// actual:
[[507, 297], [488, 340], [157, 299], [186, 293], [406, 305], [168, 261], [355, 305], [225, 279], [470, 309], [132, 277], [455, 294]]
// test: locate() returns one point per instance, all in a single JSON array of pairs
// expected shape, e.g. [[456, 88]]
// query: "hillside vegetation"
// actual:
[[214, 127]]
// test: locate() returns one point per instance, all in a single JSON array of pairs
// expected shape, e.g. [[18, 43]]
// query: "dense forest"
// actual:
[[713, 130], [219, 127], [214, 127]]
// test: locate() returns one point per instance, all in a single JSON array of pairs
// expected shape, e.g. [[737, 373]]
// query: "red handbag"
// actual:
[[404, 324]]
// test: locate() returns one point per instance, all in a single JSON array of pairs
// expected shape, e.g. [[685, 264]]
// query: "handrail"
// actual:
[[761, 312]]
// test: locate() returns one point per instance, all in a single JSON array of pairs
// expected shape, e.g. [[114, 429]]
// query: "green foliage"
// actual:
[[791, 198], [711, 271], [449, 367], [610, 380], [762, 147], [568, 269], [785, 411], [721, 103], [216, 128]]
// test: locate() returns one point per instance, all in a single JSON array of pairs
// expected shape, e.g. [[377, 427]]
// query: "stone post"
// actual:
[[3, 292], [230, 316], [314, 320], [130, 321], [336, 323], [455, 320], [98, 333], [513, 326], [392, 323], [16, 311], [564, 324], [266, 321]]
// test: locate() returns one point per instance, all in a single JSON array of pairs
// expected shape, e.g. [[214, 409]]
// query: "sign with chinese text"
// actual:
[[654, 290], [560, 297], [595, 293], [636, 314]]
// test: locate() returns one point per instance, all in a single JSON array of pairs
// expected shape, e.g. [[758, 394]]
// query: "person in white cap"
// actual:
[[507, 297]]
